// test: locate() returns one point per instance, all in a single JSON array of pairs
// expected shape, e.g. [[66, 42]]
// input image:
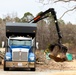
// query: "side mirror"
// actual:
[[33, 42], [37, 45], [3, 43]]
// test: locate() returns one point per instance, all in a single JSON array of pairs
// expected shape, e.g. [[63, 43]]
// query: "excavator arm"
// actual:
[[62, 48], [43, 15]]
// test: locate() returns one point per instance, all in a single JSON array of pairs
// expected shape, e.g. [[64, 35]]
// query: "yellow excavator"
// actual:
[[57, 50]]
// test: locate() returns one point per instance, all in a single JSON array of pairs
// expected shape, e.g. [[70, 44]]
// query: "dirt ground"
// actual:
[[43, 64], [52, 65], [48, 65]]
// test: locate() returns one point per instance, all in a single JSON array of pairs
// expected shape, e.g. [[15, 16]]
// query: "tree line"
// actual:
[[46, 30]]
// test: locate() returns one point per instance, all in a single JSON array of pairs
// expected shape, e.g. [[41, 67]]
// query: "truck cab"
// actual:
[[20, 46]]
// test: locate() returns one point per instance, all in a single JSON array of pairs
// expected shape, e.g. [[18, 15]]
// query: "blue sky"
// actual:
[[22, 6]]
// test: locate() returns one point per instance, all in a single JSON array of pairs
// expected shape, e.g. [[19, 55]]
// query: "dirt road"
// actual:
[[50, 67], [51, 72]]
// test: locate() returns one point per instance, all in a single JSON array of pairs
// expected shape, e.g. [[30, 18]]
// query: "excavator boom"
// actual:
[[42, 16], [62, 48]]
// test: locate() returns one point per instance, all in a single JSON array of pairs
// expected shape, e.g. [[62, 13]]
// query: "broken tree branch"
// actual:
[[55, 1], [63, 1], [67, 11]]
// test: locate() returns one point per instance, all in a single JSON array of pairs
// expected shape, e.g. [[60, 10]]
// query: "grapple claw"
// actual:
[[58, 52]]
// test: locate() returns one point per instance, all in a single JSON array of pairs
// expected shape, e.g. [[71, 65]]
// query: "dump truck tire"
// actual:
[[5, 68], [33, 69]]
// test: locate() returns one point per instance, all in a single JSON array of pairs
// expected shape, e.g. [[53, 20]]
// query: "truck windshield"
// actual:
[[20, 42]]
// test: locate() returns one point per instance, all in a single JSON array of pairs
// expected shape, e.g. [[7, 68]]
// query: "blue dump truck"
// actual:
[[20, 46]]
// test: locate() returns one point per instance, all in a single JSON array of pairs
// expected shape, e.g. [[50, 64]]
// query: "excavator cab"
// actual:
[[57, 50]]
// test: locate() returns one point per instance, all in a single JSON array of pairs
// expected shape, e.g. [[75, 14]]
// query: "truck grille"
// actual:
[[19, 56]]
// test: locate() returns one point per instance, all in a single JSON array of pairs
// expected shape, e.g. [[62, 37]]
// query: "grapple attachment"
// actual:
[[58, 52]]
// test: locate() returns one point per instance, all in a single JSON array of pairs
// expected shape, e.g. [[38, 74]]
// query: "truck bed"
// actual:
[[21, 29]]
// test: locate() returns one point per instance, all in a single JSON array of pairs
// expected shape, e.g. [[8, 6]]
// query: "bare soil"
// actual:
[[50, 64], [43, 64]]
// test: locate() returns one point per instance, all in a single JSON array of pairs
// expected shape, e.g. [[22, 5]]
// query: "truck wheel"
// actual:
[[33, 69], [5, 68]]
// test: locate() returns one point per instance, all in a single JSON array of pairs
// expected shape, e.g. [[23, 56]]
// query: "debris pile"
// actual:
[[43, 63]]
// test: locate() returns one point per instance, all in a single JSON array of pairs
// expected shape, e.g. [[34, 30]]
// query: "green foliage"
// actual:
[[17, 19], [0, 45], [1, 20], [39, 13], [49, 46], [27, 17], [61, 22], [47, 51], [27, 13]]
